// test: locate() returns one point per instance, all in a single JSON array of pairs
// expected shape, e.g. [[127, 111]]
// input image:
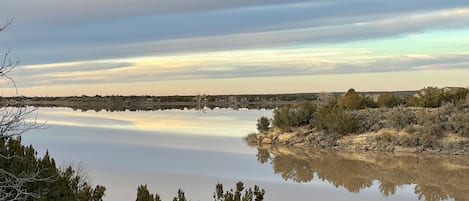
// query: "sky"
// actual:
[[171, 47]]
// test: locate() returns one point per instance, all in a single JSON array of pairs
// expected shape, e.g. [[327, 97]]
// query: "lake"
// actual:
[[193, 150]]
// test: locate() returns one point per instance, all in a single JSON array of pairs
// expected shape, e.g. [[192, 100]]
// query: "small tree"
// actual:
[[334, 120], [351, 100], [283, 117], [429, 97], [263, 124], [388, 100]]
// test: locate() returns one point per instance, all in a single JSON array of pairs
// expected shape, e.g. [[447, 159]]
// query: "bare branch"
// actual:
[[8, 23], [12, 187], [7, 66], [14, 122]]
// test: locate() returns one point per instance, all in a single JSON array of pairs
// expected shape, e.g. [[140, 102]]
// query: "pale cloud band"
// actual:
[[97, 42]]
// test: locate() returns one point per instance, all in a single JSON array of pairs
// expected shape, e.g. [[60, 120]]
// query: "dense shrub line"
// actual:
[[240, 193], [424, 117]]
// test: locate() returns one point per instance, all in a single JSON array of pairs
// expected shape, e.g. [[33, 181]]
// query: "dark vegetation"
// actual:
[[240, 193], [425, 117], [135, 103], [43, 179]]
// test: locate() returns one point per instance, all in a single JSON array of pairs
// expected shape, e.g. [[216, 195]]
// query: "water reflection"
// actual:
[[218, 122], [435, 177]]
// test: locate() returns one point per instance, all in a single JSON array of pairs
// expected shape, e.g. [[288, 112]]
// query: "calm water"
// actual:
[[194, 150]]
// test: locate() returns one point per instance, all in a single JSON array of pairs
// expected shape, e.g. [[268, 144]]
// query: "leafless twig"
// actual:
[[13, 123], [8, 23]]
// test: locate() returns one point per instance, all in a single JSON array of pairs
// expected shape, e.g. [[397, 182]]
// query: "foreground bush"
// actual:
[[45, 181], [240, 193]]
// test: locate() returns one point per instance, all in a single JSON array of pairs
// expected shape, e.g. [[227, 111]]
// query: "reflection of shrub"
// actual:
[[333, 119], [263, 124], [263, 155]]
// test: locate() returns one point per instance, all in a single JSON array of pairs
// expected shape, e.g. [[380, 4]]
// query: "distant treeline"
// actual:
[[134, 103], [428, 97]]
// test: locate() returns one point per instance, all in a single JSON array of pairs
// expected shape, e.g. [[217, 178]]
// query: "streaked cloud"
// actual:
[[234, 64], [163, 40]]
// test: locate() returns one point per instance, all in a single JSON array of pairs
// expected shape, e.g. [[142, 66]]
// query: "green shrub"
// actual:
[[334, 119], [368, 120], [299, 114], [427, 136], [263, 124], [400, 118], [388, 100], [350, 100], [283, 118], [367, 102], [354, 101], [304, 112], [434, 97]]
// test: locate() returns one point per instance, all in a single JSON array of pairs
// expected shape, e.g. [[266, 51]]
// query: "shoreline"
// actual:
[[303, 137]]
